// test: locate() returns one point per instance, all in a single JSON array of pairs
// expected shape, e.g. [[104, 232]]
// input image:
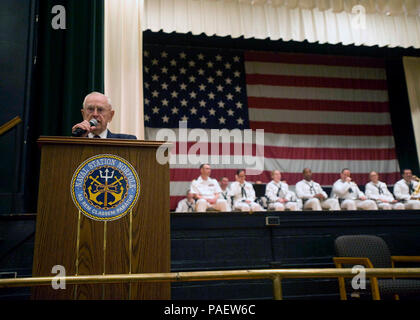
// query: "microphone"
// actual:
[[79, 131]]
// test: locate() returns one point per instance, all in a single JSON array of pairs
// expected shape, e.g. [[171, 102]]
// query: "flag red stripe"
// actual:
[[312, 59], [315, 82], [291, 177], [289, 152], [317, 105], [322, 129]]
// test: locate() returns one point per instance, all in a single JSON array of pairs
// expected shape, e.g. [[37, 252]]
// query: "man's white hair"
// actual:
[[95, 93]]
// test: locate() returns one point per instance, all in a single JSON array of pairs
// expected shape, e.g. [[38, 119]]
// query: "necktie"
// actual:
[[243, 192], [190, 207], [278, 190], [411, 188], [312, 189], [96, 136]]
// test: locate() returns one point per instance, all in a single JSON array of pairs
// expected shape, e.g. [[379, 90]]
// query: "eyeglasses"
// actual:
[[99, 110]]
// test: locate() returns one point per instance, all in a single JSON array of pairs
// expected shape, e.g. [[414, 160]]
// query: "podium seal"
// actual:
[[105, 187]]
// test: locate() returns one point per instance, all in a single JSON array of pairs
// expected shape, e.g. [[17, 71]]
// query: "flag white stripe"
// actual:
[[302, 141], [179, 188], [287, 69], [321, 117], [309, 93], [286, 165]]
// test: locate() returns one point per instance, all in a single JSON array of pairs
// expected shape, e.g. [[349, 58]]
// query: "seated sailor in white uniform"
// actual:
[[405, 191], [312, 194], [243, 194], [278, 194], [349, 195], [378, 191], [225, 193], [187, 204], [206, 191]]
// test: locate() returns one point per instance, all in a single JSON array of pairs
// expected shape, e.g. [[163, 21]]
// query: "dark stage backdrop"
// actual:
[[17, 22], [70, 64], [46, 74]]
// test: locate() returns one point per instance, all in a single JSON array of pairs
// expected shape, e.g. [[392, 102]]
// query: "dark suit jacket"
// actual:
[[111, 135]]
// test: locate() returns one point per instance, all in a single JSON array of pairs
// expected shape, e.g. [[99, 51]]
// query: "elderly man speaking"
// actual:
[[97, 107]]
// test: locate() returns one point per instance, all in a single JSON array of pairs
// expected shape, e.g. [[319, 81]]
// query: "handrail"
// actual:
[[276, 275], [10, 124]]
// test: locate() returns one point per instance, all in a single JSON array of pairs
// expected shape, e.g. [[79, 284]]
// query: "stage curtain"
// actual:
[[123, 65], [69, 64], [387, 23], [412, 75], [411, 7]]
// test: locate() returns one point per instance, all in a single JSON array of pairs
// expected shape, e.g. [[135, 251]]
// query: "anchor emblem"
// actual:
[[112, 191]]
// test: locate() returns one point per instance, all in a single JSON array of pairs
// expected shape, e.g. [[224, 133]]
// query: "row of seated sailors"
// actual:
[[345, 194]]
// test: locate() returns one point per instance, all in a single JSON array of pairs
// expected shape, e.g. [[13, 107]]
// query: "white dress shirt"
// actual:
[[308, 189], [402, 189], [274, 191], [346, 190], [242, 192], [185, 206], [378, 191], [102, 135], [225, 194], [205, 188]]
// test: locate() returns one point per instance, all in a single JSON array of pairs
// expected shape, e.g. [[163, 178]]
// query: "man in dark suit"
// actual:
[[98, 106]]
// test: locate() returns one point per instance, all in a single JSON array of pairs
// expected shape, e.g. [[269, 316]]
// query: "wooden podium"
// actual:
[[138, 242]]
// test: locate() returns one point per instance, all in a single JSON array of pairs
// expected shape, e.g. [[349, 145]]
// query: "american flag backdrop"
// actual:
[[321, 112]]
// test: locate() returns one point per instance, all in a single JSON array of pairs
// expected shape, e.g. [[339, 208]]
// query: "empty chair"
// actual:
[[372, 252]]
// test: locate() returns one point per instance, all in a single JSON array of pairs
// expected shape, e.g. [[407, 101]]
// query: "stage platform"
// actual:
[[220, 241], [235, 240]]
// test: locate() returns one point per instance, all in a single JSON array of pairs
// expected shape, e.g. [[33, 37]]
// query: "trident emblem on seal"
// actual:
[[105, 188], [106, 176]]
